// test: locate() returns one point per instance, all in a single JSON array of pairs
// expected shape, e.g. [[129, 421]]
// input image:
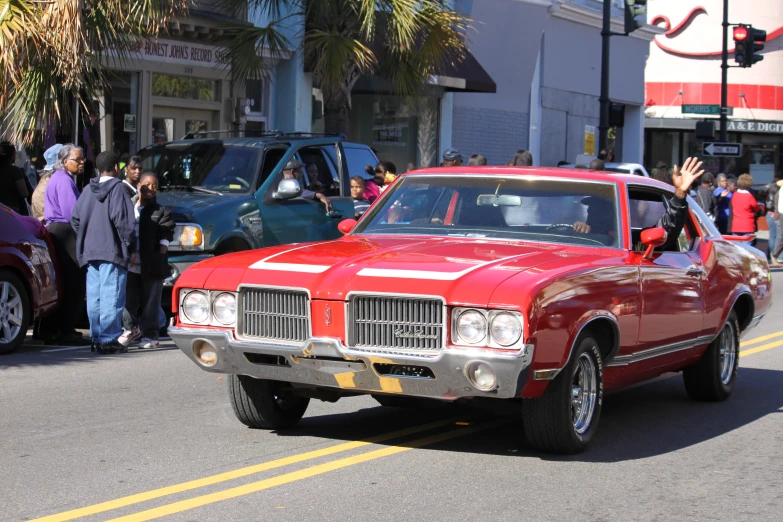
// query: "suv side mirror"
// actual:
[[346, 225], [288, 189], [653, 237]]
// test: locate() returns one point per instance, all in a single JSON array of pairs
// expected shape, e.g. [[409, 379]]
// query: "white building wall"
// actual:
[[507, 40]]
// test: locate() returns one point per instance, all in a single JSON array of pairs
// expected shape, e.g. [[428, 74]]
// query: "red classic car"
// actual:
[[28, 285], [481, 284]]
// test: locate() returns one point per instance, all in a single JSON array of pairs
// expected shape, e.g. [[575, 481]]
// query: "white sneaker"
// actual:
[[128, 336], [149, 343]]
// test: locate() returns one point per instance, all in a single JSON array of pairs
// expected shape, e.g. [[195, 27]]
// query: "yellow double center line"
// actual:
[[253, 487], [268, 483], [763, 347]]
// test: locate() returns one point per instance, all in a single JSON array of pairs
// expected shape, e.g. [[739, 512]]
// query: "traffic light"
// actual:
[[748, 41], [633, 10]]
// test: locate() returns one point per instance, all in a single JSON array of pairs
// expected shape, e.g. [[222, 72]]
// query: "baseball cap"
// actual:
[[452, 154], [50, 155], [293, 163]]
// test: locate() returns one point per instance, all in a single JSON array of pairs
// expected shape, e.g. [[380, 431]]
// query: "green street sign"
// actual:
[[706, 110]]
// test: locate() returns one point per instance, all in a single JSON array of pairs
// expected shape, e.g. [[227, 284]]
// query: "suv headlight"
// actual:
[[187, 237], [195, 307], [224, 308]]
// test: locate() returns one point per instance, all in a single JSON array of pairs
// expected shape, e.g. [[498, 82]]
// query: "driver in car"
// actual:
[[293, 170], [599, 220]]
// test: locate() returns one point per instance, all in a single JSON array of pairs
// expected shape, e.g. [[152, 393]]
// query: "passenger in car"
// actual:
[[360, 203], [673, 219], [293, 170]]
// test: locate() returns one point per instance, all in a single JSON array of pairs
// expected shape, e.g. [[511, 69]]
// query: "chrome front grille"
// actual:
[[281, 315], [396, 324]]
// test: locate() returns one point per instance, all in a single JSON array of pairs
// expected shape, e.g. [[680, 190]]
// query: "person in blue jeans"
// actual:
[[104, 223]]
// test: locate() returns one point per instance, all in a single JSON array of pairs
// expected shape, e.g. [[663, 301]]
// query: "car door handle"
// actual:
[[335, 214], [694, 270]]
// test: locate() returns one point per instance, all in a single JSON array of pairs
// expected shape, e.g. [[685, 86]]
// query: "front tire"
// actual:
[[712, 379], [261, 404], [14, 312], [565, 418]]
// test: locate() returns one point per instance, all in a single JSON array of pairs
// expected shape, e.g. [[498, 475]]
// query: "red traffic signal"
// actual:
[[748, 42]]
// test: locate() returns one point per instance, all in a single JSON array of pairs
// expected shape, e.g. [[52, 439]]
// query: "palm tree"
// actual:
[[56, 51], [402, 41]]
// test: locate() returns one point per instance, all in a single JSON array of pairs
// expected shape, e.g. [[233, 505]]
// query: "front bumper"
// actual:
[[325, 362]]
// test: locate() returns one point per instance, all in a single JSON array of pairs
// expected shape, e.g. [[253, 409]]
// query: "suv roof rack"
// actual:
[[260, 134], [238, 133]]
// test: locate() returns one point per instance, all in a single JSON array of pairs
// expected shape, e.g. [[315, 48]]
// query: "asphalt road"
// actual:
[[148, 435]]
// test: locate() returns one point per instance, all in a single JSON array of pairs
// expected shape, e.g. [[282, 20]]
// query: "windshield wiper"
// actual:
[[190, 189], [206, 190]]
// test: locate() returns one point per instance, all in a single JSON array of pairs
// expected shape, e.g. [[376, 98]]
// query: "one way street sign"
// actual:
[[726, 150]]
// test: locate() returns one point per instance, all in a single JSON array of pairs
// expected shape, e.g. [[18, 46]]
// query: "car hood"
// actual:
[[184, 204], [463, 271]]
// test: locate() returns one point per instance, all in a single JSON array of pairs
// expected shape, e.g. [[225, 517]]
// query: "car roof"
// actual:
[[550, 172]]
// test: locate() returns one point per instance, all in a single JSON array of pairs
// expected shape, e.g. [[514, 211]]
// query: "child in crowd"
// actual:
[[360, 203], [154, 230]]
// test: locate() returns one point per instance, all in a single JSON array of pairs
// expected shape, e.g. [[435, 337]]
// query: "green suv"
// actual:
[[223, 193]]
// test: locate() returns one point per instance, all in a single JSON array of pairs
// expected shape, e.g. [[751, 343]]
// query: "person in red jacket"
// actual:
[[744, 208]]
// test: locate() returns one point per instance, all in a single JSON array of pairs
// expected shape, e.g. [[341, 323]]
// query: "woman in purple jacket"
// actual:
[[59, 199]]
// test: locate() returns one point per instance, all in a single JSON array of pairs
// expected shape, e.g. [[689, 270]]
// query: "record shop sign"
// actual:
[[173, 51], [766, 127]]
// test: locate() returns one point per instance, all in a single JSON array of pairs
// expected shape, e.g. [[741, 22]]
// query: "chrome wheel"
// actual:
[[584, 393], [11, 312], [727, 354]]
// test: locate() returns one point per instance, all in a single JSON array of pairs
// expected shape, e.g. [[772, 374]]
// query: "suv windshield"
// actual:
[[495, 207], [208, 165]]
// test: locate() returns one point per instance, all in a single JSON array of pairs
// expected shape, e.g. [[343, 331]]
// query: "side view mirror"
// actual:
[[288, 189], [652, 238], [346, 225]]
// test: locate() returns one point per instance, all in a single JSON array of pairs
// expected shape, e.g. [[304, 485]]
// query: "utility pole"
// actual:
[[632, 9], [724, 78], [606, 33]]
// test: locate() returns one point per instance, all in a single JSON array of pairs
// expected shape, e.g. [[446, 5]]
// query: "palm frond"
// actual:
[[252, 51], [335, 57], [52, 50]]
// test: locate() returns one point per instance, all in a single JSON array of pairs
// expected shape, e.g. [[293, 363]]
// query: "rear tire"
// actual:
[[712, 379], [14, 312], [565, 418], [259, 403]]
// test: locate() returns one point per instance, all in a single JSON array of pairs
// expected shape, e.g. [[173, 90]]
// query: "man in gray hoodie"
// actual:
[[104, 223]]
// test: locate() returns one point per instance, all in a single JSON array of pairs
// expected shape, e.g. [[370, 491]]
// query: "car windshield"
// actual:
[[211, 166], [521, 208]]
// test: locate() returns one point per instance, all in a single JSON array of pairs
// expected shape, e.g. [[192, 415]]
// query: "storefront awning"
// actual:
[[466, 76]]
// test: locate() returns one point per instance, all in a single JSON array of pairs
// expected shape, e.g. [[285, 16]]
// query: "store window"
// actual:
[[257, 94], [120, 115], [402, 130], [761, 157], [184, 87]]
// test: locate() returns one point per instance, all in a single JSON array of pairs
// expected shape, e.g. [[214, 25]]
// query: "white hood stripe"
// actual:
[[424, 274], [290, 267]]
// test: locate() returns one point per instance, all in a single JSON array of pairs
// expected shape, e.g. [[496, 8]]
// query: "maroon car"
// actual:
[[28, 284]]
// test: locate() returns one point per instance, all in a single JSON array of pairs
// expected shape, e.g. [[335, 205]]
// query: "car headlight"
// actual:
[[187, 237], [224, 308], [195, 306], [506, 328], [472, 326]]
